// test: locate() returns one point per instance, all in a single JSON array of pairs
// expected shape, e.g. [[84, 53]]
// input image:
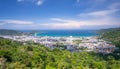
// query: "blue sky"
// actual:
[[59, 14]]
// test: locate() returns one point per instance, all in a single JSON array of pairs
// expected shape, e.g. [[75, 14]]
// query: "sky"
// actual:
[[59, 14]]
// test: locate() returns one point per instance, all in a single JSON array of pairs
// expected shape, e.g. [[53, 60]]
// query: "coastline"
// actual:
[[75, 33]]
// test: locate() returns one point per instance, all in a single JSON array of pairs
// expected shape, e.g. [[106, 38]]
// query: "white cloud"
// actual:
[[56, 19], [76, 24], [60, 20], [96, 19], [20, 0], [100, 0], [2, 22], [37, 2], [99, 13], [59, 23]]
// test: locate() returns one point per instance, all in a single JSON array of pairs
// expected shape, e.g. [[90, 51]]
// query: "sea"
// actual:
[[63, 33]]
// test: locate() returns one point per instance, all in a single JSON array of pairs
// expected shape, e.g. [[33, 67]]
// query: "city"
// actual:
[[73, 44]]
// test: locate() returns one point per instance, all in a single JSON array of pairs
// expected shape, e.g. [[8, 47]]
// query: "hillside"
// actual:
[[9, 32], [13, 32], [112, 35]]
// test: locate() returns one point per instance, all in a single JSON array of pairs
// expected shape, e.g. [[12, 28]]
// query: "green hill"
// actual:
[[112, 35], [9, 32]]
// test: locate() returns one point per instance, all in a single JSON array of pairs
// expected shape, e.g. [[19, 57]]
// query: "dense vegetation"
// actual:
[[112, 35], [15, 55]]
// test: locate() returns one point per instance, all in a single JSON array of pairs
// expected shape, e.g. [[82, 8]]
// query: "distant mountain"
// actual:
[[110, 29], [10, 32]]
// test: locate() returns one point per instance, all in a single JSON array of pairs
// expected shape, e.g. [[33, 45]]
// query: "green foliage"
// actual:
[[35, 56], [112, 35]]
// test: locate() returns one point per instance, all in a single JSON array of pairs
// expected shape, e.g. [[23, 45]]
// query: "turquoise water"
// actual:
[[66, 33]]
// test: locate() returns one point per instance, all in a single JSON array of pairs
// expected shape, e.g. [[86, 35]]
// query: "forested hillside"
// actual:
[[15, 55], [112, 35]]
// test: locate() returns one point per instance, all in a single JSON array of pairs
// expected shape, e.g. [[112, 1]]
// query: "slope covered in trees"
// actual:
[[15, 55], [112, 35]]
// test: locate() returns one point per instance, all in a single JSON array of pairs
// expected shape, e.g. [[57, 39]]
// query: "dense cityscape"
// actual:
[[70, 43]]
